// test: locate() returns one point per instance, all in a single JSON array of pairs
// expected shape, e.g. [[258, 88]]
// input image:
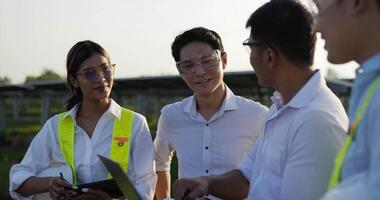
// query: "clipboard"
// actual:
[[107, 186], [122, 181]]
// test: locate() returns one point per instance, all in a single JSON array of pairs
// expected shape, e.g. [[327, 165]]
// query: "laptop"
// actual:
[[122, 181]]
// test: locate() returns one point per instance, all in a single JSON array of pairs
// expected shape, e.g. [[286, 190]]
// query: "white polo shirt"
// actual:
[[45, 148]]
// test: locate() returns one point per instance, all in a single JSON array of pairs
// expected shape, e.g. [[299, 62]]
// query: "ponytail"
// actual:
[[76, 97]]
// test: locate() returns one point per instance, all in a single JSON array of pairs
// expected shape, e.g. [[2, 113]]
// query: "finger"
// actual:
[[62, 193], [53, 188], [194, 194], [99, 194], [87, 194], [57, 188], [82, 197], [180, 188], [53, 195], [95, 195], [64, 187], [64, 183]]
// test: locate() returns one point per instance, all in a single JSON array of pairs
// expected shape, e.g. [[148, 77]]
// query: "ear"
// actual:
[[74, 81], [224, 59], [270, 58], [355, 7]]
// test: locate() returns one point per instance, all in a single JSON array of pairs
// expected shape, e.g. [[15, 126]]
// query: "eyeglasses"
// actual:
[[91, 74], [206, 62], [248, 44], [318, 7]]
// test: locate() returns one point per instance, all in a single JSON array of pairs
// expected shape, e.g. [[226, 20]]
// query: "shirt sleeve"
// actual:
[[371, 129], [163, 149], [312, 149], [36, 159], [246, 164], [142, 170], [260, 124]]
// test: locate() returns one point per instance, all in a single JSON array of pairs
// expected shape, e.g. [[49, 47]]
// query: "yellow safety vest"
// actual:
[[120, 146], [339, 160]]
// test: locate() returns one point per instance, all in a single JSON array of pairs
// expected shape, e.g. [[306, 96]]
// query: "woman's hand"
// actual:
[[56, 188]]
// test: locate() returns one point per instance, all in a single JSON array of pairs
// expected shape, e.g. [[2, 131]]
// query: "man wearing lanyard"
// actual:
[[351, 31]]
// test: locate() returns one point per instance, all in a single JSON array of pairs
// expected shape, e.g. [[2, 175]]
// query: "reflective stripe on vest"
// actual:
[[339, 160], [120, 145], [66, 141], [121, 139]]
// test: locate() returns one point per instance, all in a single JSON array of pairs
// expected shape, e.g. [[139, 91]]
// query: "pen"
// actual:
[[64, 191], [60, 173], [73, 188]]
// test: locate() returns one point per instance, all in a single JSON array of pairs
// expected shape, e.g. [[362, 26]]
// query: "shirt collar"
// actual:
[[277, 100], [114, 109], [229, 103], [304, 95], [72, 112], [370, 65]]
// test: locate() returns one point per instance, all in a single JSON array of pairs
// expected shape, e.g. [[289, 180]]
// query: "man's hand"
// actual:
[[190, 188]]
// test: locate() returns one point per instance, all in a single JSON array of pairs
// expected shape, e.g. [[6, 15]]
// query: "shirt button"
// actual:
[[206, 171], [206, 148], [207, 124]]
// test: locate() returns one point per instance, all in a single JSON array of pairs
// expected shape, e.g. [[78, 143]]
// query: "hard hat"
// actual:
[[54, 169]]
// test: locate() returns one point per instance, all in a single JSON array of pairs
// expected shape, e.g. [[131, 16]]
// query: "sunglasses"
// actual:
[[92, 74]]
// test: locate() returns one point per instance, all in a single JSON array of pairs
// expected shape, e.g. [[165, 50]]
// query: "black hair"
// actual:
[[199, 34], [286, 26], [80, 52]]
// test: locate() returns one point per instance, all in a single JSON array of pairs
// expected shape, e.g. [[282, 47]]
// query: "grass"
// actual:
[[8, 157]]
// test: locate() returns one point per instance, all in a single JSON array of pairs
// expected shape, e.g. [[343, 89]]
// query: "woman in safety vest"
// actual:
[[93, 124]]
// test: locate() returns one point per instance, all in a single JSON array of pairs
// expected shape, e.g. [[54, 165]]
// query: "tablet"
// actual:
[[122, 181], [107, 186]]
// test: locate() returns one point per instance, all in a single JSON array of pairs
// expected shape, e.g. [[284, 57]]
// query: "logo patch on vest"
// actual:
[[120, 140]]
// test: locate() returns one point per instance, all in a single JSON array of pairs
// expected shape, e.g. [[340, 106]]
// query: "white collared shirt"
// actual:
[[45, 148], [207, 147], [294, 157]]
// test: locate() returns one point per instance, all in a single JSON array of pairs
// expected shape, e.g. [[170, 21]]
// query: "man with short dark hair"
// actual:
[[294, 155], [211, 130], [351, 29]]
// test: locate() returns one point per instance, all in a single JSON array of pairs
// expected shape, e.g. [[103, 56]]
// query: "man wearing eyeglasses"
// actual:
[[351, 29], [211, 130], [294, 156]]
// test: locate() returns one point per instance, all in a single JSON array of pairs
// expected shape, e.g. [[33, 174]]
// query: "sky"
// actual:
[[37, 34]]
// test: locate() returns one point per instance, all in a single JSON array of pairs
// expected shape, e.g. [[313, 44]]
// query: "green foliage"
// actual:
[[22, 131], [4, 80], [7, 159], [46, 75]]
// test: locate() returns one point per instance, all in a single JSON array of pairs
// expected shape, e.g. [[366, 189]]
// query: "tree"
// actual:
[[46, 75], [4, 80]]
